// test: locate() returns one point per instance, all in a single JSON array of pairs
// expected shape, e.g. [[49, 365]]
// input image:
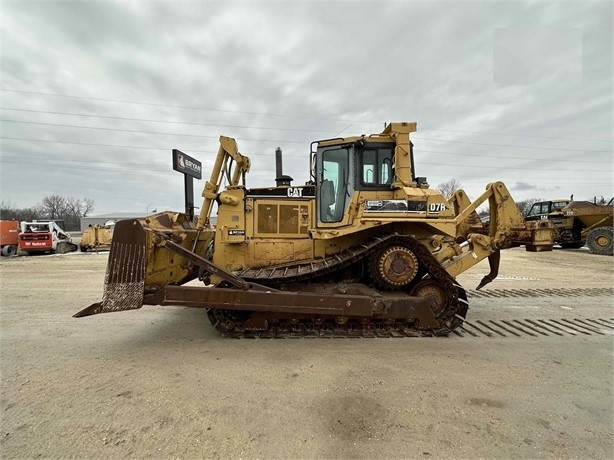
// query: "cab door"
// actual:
[[334, 185]]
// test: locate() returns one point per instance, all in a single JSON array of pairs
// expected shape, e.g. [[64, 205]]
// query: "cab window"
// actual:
[[376, 167]]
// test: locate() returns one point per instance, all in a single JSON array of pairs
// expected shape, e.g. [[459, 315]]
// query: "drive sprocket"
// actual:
[[394, 267]]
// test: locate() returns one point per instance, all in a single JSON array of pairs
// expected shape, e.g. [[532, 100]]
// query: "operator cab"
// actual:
[[542, 209], [344, 168]]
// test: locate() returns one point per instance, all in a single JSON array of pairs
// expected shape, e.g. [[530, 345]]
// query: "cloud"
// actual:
[[142, 78], [523, 186]]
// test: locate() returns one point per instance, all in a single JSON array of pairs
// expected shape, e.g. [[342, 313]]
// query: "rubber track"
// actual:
[[452, 316]]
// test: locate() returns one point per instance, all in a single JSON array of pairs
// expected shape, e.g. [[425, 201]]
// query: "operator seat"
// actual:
[[327, 199]]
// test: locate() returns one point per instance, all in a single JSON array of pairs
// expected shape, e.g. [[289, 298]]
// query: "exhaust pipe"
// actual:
[[280, 179]]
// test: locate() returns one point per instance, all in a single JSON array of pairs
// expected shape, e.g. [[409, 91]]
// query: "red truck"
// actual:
[[9, 231]]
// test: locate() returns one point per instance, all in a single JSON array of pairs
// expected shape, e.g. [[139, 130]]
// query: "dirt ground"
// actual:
[[160, 381]]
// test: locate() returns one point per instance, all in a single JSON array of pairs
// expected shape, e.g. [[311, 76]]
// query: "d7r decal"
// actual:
[[434, 208]]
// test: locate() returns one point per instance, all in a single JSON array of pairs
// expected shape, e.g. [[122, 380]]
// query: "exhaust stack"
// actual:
[[280, 179]]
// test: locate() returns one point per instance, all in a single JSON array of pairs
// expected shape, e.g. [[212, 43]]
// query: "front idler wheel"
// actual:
[[431, 288]]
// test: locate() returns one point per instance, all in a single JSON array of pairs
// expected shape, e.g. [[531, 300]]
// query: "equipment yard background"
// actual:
[[161, 382]]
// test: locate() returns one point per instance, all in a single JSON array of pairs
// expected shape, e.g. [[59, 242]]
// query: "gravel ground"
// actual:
[[160, 382]]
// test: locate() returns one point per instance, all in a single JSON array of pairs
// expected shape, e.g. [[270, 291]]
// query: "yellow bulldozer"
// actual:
[[97, 237], [364, 248]]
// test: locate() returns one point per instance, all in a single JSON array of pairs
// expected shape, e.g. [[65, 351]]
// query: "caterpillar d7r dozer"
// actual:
[[365, 248]]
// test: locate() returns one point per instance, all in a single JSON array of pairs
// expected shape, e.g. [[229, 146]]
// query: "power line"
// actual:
[[254, 175], [91, 165], [134, 131], [492, 157], [342, 120], [89, 168], [518, 135], [61, 161], [93, 144], [417, 151], [155, 104], [108, 117], [282, 141], [513, 146], [90, 144]]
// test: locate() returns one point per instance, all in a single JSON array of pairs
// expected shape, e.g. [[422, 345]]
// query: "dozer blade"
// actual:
[[124, 281]]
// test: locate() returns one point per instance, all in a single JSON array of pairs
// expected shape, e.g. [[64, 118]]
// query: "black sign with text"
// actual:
[[186, 164]]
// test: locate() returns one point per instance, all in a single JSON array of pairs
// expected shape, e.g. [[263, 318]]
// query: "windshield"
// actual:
[[558, 205], [35, 228]]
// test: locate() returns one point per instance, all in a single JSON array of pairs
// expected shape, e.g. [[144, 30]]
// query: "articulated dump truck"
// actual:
[[364, 248]]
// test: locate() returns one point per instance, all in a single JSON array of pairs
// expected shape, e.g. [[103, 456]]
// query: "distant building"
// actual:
[[102, 219]]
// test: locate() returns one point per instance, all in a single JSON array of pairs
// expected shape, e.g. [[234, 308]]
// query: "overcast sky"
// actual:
[[96, 94]]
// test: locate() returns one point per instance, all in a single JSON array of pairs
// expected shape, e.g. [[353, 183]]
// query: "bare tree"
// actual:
[[75, 209], [72, 213], [8, 211], [448, 188], [70, 210], [88, 206], [53, 207]]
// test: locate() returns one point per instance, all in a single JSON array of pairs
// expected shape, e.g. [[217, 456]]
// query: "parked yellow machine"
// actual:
[[365, 247], [596, 223], [97, 237], [578, 223]]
